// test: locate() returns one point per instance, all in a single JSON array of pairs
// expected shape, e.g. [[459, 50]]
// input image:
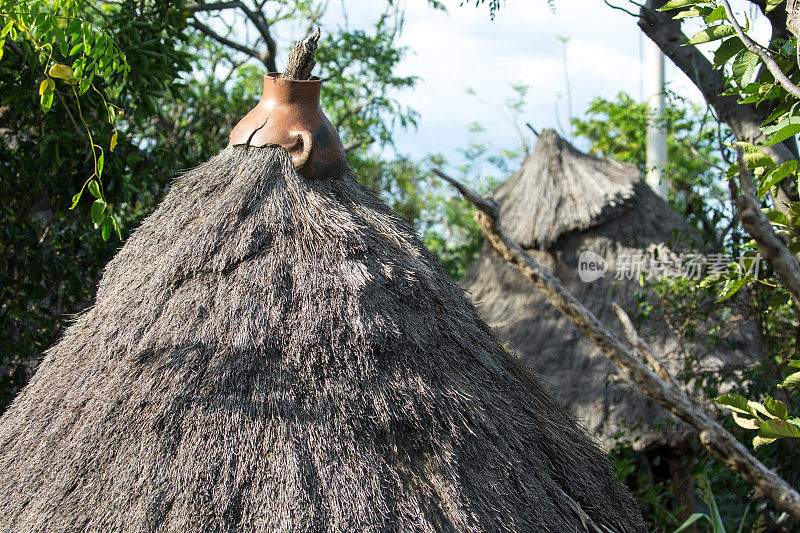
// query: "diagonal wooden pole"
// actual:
[[663, 390]]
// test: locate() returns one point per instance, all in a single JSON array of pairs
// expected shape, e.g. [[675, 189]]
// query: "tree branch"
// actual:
[[214, 6], [665, 392], [356, 144], [772, 248], [765, 56], [743, 119], [256, 17], [225, 41]]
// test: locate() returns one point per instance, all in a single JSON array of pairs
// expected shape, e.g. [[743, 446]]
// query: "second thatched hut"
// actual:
[[599, 228]]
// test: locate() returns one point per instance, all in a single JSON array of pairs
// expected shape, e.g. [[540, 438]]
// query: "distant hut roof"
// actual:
[[561, 189], [269, 352], [538, 206]]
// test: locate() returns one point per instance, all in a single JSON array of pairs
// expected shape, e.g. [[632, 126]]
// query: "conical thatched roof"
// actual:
[[268, 353], [559, 204], [560, 189]]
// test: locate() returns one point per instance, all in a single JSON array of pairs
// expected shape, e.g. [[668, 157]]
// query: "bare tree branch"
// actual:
[[641, 346], [612, 6], [256, 17], [225, 41], [712, 435], [765, 56], [356, 144], [214, 6]]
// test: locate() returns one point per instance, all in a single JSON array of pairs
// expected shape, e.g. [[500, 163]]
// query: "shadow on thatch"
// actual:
[[559, 204], [271, 353]]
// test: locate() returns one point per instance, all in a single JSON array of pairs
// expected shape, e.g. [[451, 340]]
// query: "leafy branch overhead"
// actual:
[[57, 32]]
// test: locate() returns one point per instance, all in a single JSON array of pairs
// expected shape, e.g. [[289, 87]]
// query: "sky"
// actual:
[[463, 48]]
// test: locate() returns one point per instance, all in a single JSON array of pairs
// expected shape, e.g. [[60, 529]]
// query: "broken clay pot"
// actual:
[[289, 115]]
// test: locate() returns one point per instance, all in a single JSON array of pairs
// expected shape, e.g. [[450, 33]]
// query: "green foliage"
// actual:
[[770, 418], [59, 34], [616, 128], [83, 143], [752, 83], [360, 103], [712, 516]]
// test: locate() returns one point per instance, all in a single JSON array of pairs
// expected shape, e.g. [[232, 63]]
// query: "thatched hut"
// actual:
[[564, 203], [273, 352]]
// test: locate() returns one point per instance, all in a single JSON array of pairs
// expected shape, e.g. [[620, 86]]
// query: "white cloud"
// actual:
[[464, 48]]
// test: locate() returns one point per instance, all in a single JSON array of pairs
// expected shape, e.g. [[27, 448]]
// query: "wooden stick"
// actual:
[[301, 58], [665, 392]]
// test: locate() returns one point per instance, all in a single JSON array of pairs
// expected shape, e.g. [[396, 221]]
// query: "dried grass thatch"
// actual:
[[537, 206], [560, 189], [270, 353]]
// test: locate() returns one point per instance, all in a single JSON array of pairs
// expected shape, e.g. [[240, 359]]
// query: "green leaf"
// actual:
[[47, 85], [772, 429], [61, 71], [746, 423], [106, 227], [113, 141], [677, 4], [744, 66], [794, 247], [756, 408], [688, 13], [772, 4], [791, 381], [74, 27], [97, 212], [116, 228], [795, 363], [7, 28], [691, 520], [46, 100], [84, 85], [775, 176], [728, 49], [76, 199], [734, 402], [776, 217], [712, 33], [717, 14], [788, 127], [94, 189], [779, 299], [761, 441], [776, 407], [731, 287], [100, 164], [758, 160]]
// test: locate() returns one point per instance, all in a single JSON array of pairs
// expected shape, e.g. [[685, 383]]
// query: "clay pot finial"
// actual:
[[289, 115]]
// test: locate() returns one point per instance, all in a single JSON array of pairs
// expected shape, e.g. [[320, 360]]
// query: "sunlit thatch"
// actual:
[[271, 353]]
